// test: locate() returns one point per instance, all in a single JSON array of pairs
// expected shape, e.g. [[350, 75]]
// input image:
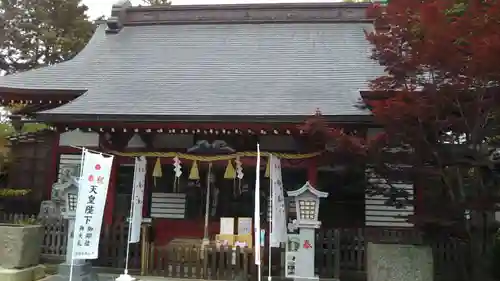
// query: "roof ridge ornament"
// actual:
[[118, 12]]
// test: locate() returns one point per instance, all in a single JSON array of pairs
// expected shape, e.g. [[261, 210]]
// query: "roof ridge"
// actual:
[[125, 14], [260, 6]]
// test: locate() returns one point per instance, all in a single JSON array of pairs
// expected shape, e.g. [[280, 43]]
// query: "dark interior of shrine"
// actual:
[[344, 207]]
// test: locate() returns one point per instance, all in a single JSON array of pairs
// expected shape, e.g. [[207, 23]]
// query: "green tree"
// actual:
[[6, 130], [41, 32], [157, 2], [38, 33]]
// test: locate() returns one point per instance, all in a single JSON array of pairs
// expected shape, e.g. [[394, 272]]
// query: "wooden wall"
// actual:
[[168, 205], [378, 213]]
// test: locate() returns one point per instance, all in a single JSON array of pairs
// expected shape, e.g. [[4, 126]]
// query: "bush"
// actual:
[[8, 192]]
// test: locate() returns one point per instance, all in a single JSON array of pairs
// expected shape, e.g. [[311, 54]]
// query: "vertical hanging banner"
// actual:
[[256, 216], [278, 216], [137, 200], [93, 188]]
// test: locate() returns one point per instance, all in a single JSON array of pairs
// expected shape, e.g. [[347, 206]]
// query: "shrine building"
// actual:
[[204, 84]]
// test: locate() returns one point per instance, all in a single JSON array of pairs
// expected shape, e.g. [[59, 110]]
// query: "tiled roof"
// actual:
[[259, 69]]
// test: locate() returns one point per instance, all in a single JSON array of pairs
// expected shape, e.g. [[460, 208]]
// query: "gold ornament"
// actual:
[[230, 173], [157, 172], [194, 174]]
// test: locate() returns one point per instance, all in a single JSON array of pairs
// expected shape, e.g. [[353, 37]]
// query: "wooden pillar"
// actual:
[[148, 186], [53, 169], [418, 205], [312, 171], [145, 249], [111, 196]]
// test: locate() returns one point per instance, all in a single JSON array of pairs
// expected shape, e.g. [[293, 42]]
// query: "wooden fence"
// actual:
[[112, 245], [339, 252], [210, 263]]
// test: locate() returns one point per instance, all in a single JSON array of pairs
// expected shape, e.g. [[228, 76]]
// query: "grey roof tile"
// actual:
[[215, 69], [75, 74]]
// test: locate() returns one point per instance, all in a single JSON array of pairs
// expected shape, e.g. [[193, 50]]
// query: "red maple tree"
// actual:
[[438, 104]]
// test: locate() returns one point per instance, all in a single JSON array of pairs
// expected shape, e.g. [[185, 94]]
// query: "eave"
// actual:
[[248, 129], [297, 119], [30, 109], [37, 96], [208, 125]]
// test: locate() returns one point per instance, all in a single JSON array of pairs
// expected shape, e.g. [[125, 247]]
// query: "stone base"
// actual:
[[397, 262], [125, 277], [305, 279], [81, 272], [282, 278], [25, 274]]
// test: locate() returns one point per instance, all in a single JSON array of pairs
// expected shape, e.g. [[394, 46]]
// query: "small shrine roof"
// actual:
[[220, 60], [307, 187]]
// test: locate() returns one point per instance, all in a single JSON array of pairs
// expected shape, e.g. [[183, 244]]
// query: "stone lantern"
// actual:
[[65, 193], [70, 198], [307, 208], [57, 205]]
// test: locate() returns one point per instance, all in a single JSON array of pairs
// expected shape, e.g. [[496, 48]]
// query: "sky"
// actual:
[[98, 8]]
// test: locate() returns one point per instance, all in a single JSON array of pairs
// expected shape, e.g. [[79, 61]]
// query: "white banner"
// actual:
[[256, 216], [278, 216], [137, 200], [93, 188]]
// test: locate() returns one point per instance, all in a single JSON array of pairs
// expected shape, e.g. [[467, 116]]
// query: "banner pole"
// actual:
[[131, 213], [207, 203], [72, 263], [259, 272], [270, 219], [258, 259]]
